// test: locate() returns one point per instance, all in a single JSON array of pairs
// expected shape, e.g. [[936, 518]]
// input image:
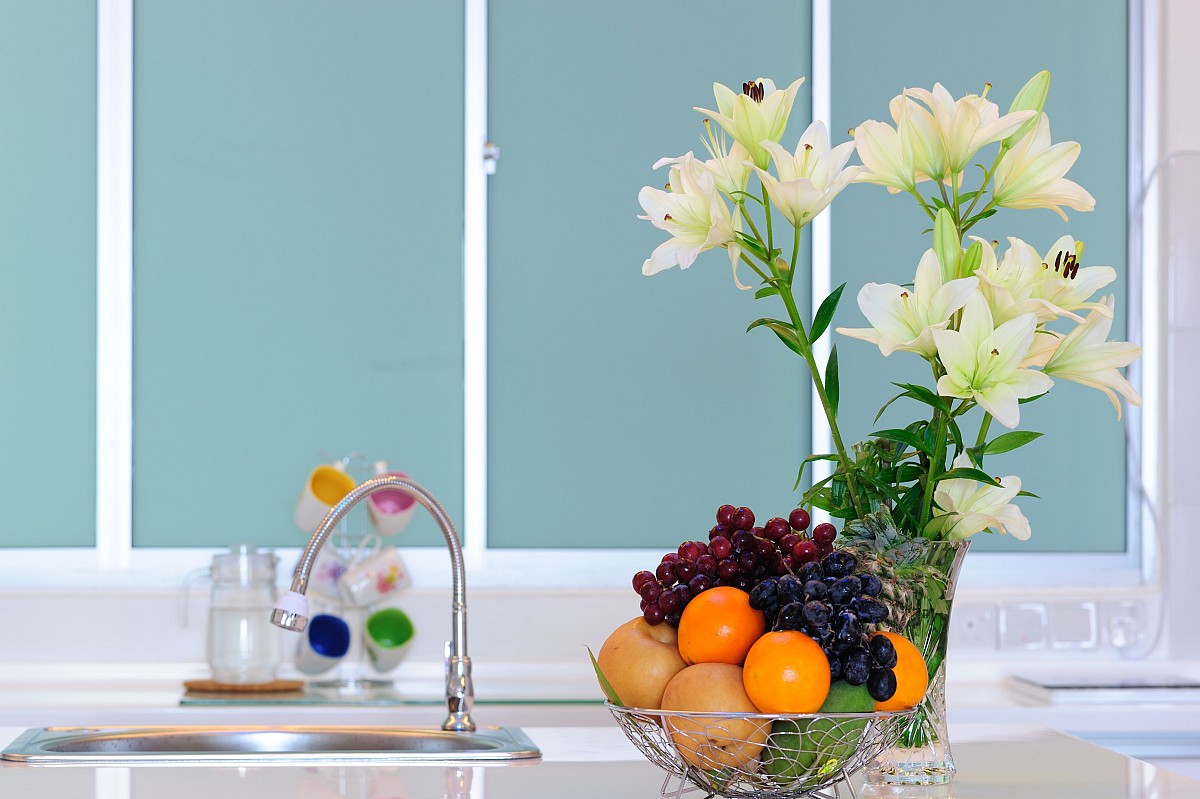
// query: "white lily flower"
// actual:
[[983, 362], [757, 115], [1025, 282], [810, 178], [905, 319], [1030, 175], [1067, 285], [886, 155], [692, 211], [966, 507], [1085, 356], [950, 132]]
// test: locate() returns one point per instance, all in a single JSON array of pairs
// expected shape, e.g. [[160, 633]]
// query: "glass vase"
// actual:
[[928, 571]]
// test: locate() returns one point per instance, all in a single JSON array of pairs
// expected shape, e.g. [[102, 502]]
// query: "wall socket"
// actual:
[[973, 627]]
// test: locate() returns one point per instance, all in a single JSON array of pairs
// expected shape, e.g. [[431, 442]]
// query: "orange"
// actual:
[[912, 676], [719, 626], [786, 672]]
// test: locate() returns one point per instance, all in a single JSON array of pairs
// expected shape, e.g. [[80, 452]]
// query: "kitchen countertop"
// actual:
[[1019, 761]]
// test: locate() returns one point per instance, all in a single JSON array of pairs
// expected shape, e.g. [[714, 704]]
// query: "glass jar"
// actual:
[[243, 646]]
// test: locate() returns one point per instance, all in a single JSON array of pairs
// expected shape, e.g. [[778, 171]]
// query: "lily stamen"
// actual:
[[754, 90]]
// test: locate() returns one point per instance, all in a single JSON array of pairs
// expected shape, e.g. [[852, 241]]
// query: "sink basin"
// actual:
[[249, 745]]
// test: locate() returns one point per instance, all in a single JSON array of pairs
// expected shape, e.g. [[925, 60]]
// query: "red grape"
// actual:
[[799, 519], [720, 547], [743, 518], [777, 528], [824, 533], [725, 514], [650, 591], [707, 564], [804, 551], [665, 572], [641, 578], [654, 614]]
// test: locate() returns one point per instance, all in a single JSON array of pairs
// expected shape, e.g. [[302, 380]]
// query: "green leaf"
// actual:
[[1031, 399], [1024, 493], [832, 387], [967, 473], [956, 434], [755, 246], [922, 394], [782, 329], [1010, 441], [981, 216], [768, 291], [609, 692], [825, 313], [908, 437], [883, 488]]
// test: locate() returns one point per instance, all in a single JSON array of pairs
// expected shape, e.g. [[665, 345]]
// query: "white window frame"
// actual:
[[115, 561]]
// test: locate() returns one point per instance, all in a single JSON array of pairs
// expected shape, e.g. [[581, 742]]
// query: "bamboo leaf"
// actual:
[[832, 387], [825, 313], [967, 473], [1010, 441], [922, 394], [908, 437]]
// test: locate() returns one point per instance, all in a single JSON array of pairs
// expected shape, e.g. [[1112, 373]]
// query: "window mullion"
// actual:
[[114, 283]]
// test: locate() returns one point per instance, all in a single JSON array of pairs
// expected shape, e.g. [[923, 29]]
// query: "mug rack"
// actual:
[[353, 541]]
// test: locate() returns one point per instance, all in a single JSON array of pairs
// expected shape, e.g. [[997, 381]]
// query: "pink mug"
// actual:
[[390, 509]]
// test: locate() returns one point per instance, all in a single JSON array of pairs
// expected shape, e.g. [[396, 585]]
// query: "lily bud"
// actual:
[[1032, 97], [946, 244]]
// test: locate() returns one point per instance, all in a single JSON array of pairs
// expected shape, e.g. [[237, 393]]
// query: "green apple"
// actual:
[[799, 747]]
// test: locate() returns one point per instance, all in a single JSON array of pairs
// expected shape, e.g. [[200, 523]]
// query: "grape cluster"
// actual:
[[738, 553], [828, 601]]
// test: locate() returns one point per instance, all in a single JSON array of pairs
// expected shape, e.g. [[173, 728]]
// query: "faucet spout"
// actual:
[[292, 611]]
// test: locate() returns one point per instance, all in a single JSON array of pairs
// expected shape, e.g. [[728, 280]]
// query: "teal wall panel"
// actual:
[[624, 409], [48, 273], [297, 256], [879, 49]]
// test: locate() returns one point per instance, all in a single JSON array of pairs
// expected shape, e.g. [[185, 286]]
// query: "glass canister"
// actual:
[[243, 646]]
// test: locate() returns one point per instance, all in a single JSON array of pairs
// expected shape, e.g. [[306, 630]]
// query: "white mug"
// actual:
[[325, 487], [374, 577], [387, 634], [390, 509], [327, 570], [323, 644]]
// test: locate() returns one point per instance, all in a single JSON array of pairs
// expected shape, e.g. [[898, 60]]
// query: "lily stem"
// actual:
[[830, 416]]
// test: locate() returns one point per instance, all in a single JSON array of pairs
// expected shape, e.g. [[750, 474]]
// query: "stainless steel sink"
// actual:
[[288, 744]]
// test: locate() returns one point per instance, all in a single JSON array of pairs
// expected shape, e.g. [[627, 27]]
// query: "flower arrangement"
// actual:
[[988, 325]]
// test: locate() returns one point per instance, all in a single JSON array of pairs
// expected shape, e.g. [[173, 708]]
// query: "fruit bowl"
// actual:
[[759, 755]]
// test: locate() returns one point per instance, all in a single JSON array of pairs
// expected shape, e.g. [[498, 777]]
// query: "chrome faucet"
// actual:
[[291, 612]]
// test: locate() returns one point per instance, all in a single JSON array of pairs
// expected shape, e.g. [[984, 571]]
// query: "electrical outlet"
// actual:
[[1023, 626], [973, 627]]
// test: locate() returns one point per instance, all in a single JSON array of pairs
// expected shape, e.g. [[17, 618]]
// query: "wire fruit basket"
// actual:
[[759, 755]]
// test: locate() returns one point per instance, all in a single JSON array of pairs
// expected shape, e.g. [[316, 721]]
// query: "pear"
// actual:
[[713, 742], [638, 659]]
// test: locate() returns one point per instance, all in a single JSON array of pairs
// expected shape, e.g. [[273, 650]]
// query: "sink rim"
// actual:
[[35, 746]]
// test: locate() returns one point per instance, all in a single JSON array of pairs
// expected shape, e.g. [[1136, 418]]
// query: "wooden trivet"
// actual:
[[214, 687]]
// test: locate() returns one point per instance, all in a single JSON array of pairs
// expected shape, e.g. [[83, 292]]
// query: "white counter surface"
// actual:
[[1018, 761]]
